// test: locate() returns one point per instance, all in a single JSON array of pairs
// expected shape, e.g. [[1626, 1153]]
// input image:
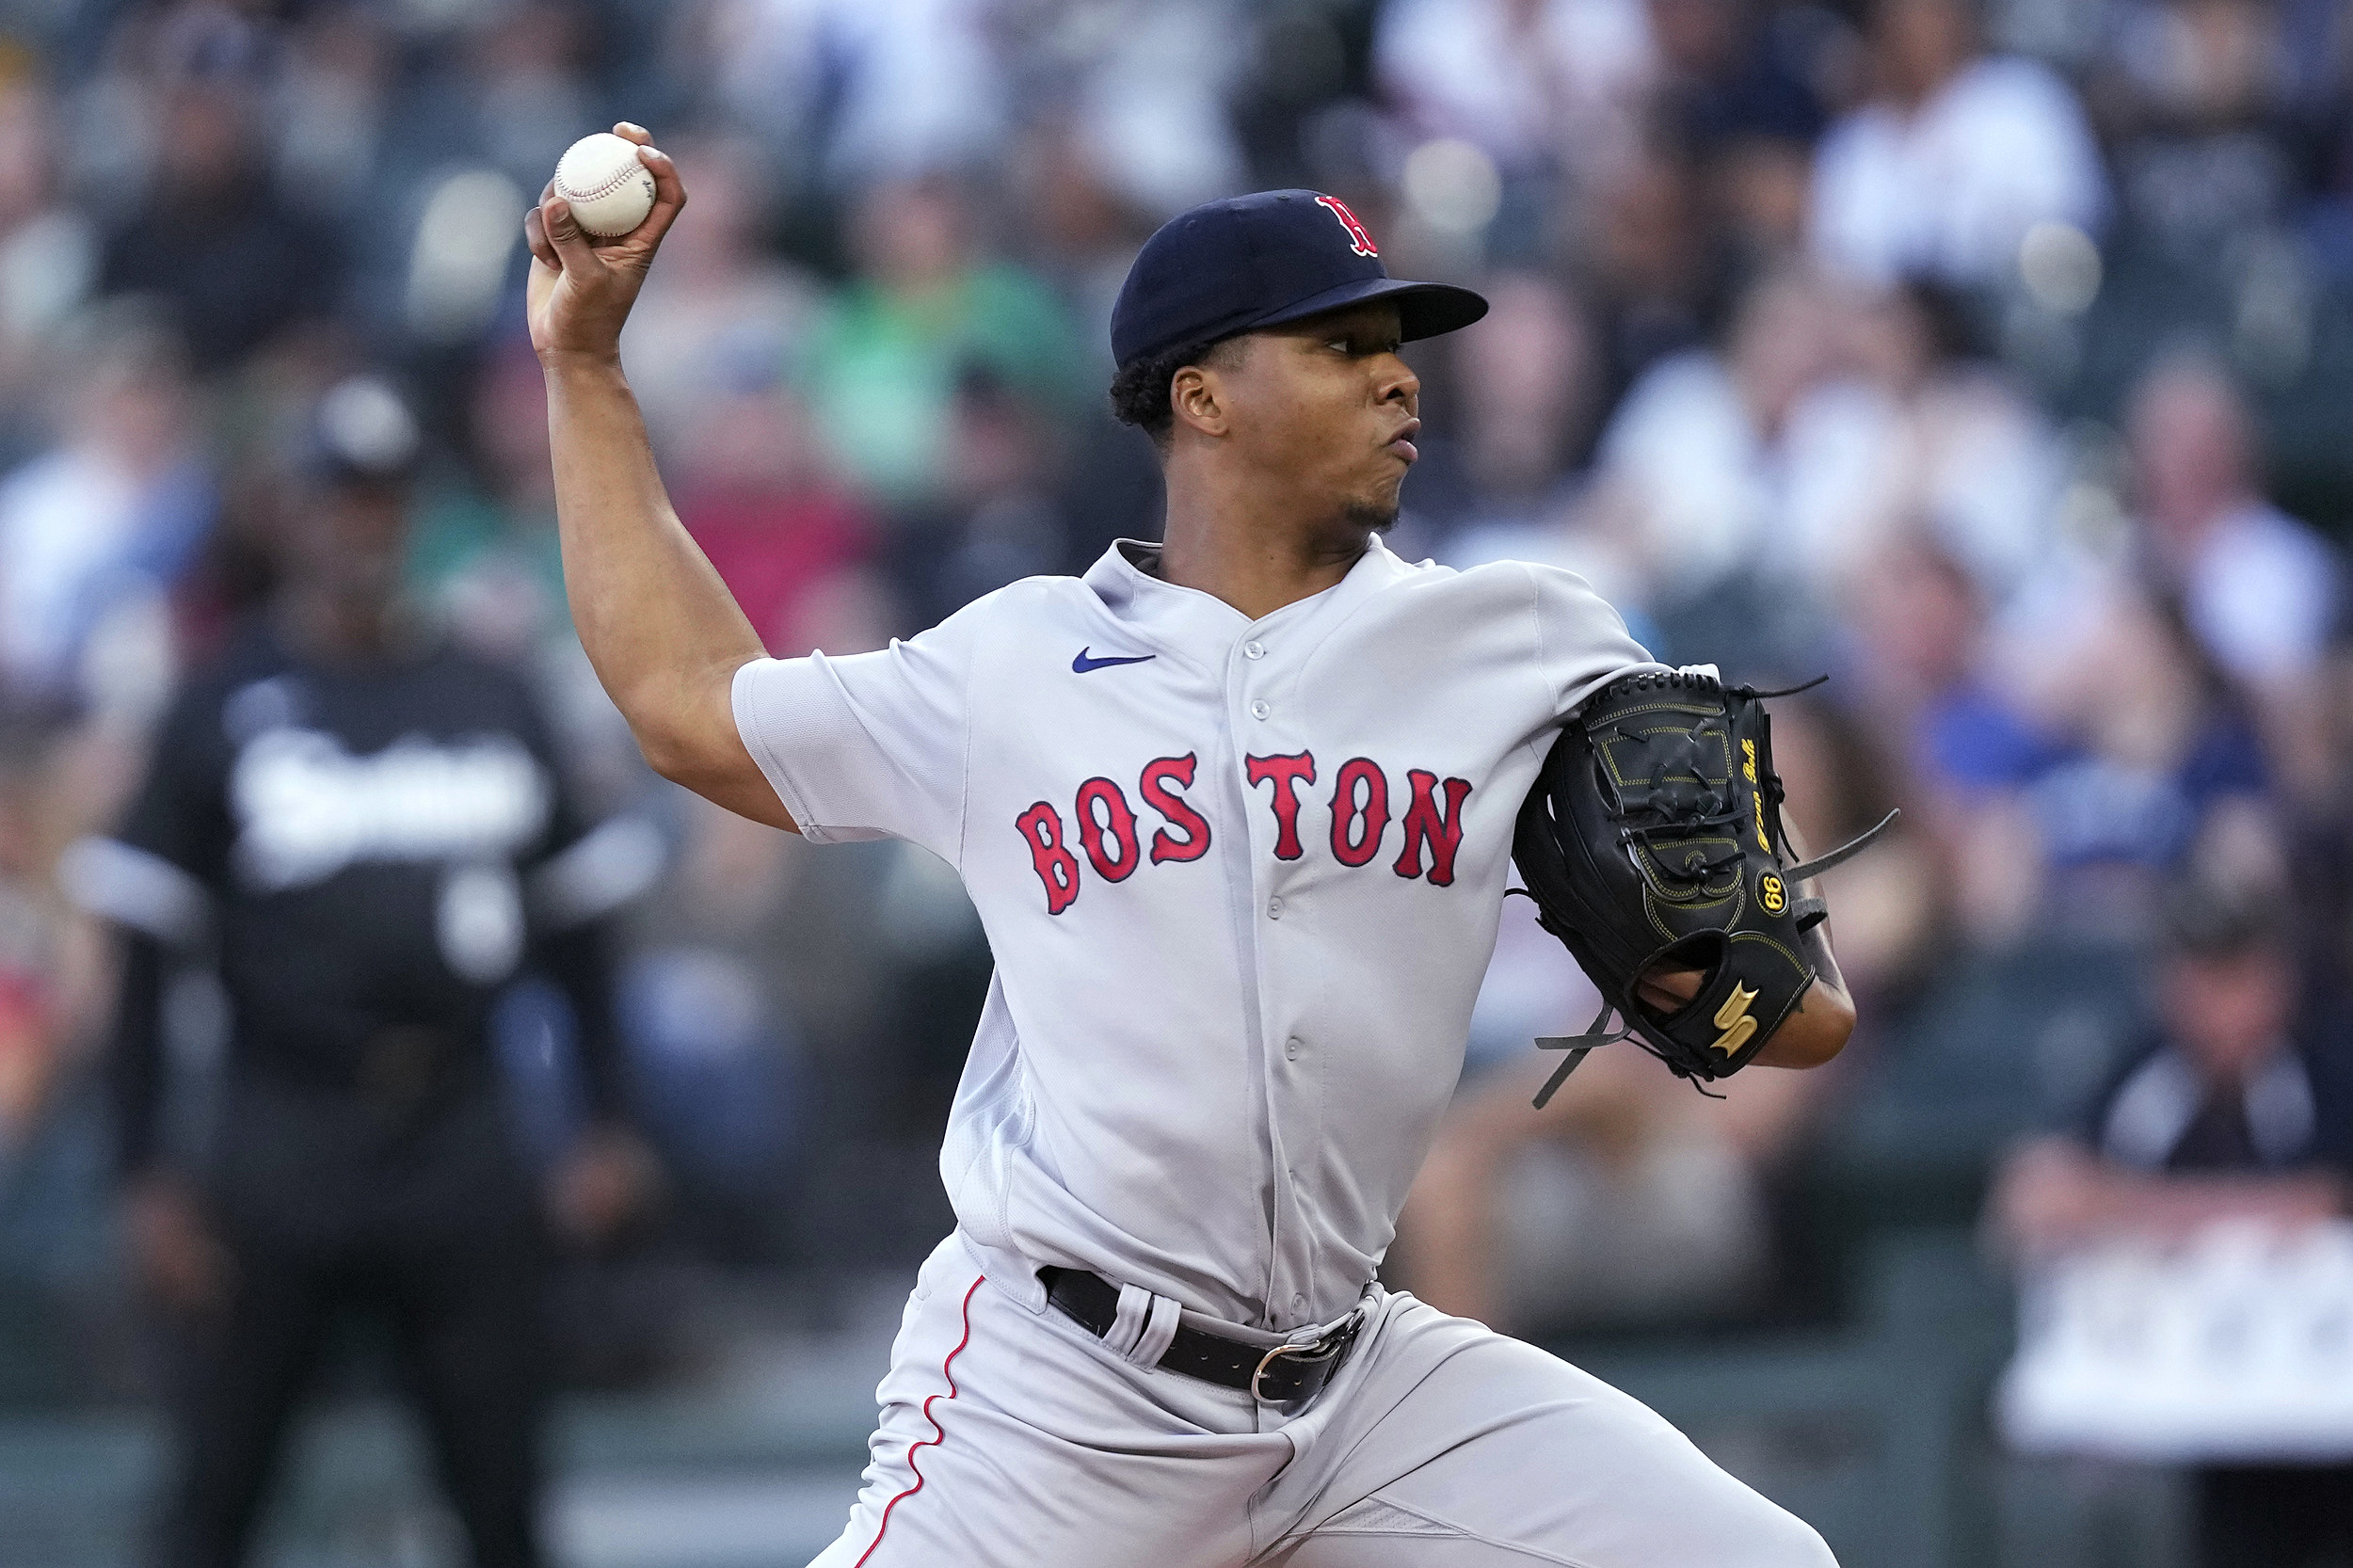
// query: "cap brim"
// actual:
[[1423, 309]]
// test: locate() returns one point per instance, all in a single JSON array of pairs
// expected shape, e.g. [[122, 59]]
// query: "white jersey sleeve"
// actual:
[[1582, 641], [867, 745]]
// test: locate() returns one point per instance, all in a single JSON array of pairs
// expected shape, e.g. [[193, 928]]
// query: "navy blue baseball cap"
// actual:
[[1255, 261]]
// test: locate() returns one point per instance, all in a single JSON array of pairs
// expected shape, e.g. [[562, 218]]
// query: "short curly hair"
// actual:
[[1139, 389]]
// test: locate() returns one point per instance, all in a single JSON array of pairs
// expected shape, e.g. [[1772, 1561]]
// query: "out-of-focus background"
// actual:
[[1994, 356]]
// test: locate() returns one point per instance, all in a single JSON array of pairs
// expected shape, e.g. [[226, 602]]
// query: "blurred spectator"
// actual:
[[361, 836], [2259, 590], [48, 252], [1524, 395], [797, 1022], [512, 88], [883, 368], [212, 238], [1526, 382], [719, 312], [1742, 90], [2226, 1115], [486, 557], [330, 104], [1956, 155], [1936, 437], [51, 976], [1148, 96], [482, 558], [2155, 757], [1000, 517], [1536, 84], [1628, 1201], [1842, 777], [2316, 49], [1921, 673], [1652, 262], [2203, 90], [714, 1000], [919, 87], [1078, 230], [1304, 91], [753, 491], [1700, 479], [94, 532], [30, 1054]]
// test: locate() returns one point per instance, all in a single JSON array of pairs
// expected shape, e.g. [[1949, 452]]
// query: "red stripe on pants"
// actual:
[[947, 1375]]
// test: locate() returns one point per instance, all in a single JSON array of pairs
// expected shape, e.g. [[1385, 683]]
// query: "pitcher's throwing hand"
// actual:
[[582, 287]]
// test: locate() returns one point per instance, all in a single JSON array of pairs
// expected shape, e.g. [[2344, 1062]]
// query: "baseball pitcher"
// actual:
[[1238, 809]]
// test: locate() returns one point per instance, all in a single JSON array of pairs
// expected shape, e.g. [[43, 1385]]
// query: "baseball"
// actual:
[[609, 191]]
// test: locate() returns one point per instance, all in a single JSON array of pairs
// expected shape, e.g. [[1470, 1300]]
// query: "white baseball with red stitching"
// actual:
[[609, 190]]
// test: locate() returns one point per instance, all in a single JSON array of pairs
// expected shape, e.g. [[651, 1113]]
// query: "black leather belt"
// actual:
[[1276, 1374]]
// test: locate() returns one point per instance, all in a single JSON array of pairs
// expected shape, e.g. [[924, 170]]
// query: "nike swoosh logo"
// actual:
[[1083, 664]]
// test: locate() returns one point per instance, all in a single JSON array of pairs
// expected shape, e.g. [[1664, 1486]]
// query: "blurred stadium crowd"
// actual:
[[1995, 357]]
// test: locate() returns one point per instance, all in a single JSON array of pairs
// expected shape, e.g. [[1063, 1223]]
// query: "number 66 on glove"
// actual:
[[1653, 840]]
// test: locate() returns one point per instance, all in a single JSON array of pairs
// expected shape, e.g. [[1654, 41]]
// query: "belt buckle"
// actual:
[[1326, 1346]]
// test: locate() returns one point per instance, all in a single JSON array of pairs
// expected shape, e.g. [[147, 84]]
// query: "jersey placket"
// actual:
[[1261, 683]]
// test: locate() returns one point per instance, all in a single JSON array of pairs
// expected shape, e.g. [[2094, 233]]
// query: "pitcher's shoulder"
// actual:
[[1498, 585], [1023, 604]]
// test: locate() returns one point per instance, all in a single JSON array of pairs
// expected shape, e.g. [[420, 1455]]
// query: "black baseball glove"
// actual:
[[1653, 841]]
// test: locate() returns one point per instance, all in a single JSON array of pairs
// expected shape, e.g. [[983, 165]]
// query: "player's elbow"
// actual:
[[685, 726], [682, 756], [716, 765]]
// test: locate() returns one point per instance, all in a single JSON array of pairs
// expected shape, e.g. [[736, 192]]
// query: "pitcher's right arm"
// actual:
[[660, 629]]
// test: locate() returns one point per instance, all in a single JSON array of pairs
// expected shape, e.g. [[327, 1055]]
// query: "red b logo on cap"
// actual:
[[1359, 240]]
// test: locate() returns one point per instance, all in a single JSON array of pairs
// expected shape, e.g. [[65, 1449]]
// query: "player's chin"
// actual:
[[1376, 503]]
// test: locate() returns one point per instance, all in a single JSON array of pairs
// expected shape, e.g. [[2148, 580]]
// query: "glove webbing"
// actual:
[[1576, 1046]]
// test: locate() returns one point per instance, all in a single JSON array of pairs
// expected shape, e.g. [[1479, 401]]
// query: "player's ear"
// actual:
[[1196, 399]]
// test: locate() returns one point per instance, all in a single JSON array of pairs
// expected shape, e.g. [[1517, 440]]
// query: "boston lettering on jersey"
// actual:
[[1109, 838]]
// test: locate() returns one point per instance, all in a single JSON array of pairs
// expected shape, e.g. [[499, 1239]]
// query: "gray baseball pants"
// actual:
[[1013, 1438]]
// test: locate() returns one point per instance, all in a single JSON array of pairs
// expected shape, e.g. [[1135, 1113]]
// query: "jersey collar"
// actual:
[[1204, 625]]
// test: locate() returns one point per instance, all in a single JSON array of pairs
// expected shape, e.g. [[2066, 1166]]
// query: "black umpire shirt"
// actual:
[[369, 854], [2293, 1115]]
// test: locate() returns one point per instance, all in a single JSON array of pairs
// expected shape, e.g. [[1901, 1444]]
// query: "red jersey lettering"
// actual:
[[1425, 823], [1163, 777], [1107, 830], [1286, 773], [1360, 811], [1056, 866]]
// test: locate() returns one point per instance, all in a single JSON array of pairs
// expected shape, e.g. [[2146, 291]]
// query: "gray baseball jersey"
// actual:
[[1242, 879]]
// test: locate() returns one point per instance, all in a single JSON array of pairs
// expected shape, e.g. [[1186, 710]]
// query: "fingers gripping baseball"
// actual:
[[582, 287]]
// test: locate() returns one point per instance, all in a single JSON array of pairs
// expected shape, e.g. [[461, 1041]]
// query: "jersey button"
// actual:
[[1275, 910], [1253, 649], [1260, 708], [1291, 1047], [1299, 1303]]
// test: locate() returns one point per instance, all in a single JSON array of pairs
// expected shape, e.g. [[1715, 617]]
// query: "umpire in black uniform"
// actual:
[[362, 831]]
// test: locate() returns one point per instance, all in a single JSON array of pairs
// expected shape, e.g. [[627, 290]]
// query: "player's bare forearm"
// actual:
[[660, 629], [1813, 1035], [1825, 1017], [664, 634]]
